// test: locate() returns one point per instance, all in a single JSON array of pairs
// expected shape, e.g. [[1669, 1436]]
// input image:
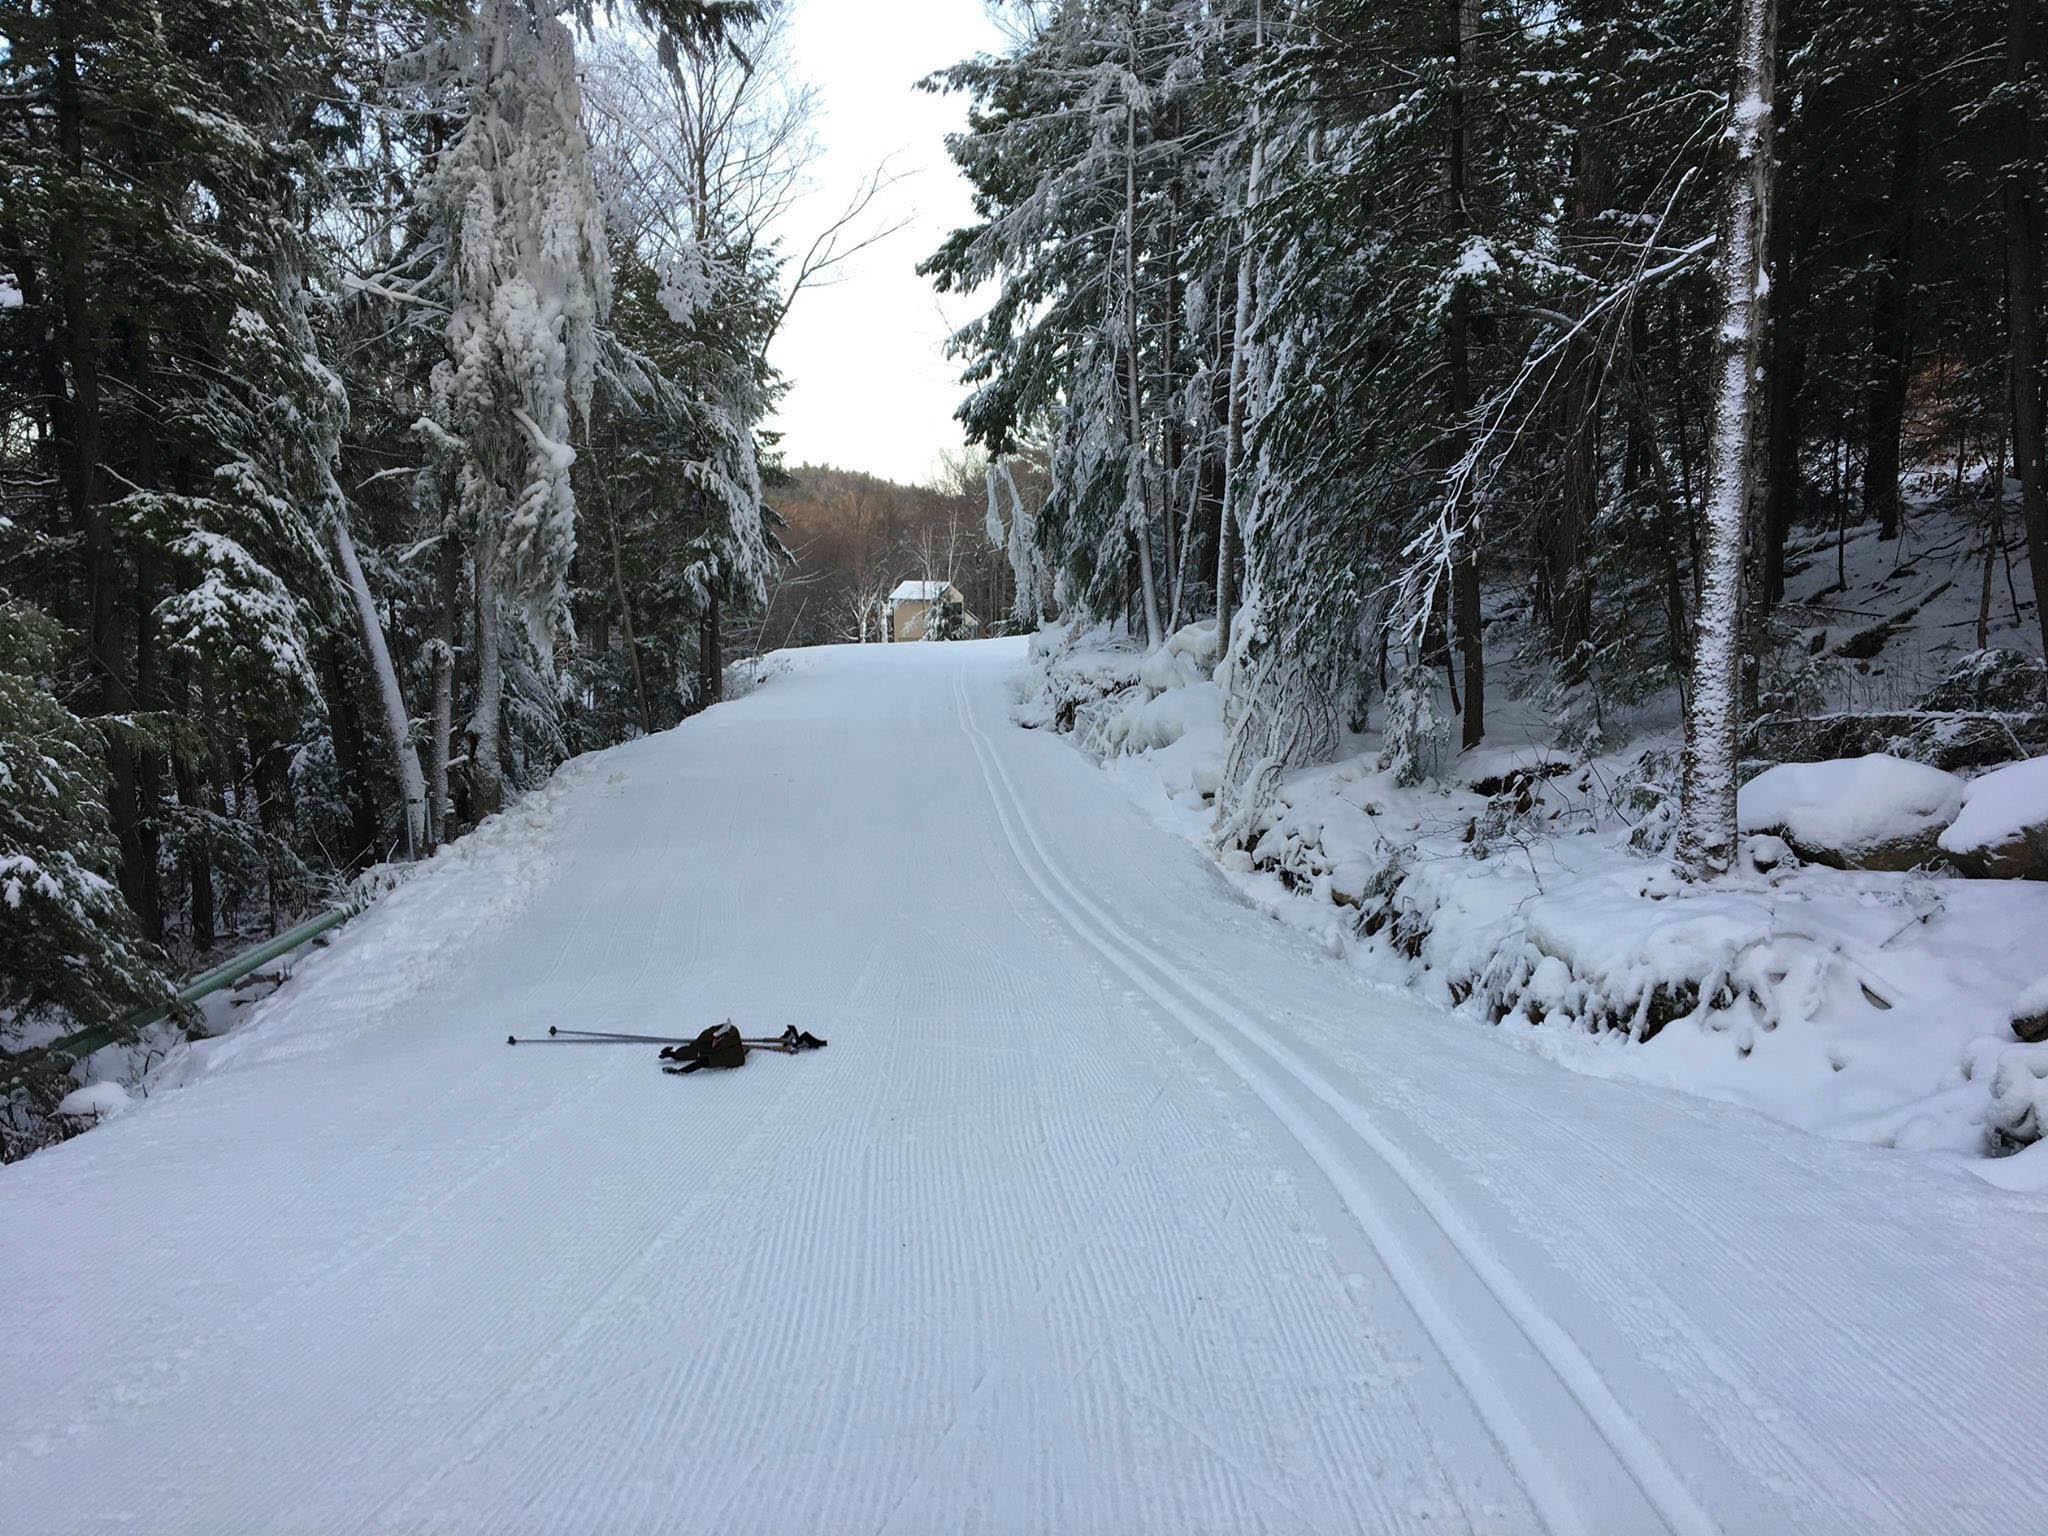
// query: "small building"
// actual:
[[911, 604]]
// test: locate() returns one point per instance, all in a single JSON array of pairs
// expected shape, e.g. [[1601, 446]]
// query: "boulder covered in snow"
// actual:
[[2030, 1013], [95, 1101], [2002, 833], [1874, 812]]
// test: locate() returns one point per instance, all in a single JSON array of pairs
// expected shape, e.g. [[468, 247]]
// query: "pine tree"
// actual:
[[70, 940]]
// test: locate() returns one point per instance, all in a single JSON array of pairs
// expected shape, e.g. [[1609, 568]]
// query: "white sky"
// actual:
[[873, 388]]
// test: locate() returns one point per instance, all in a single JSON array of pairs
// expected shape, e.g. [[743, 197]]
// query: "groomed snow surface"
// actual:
[[1114, 1206]]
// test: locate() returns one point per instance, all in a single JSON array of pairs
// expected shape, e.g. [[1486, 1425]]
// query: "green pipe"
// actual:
[[226, 974], [229, 972]]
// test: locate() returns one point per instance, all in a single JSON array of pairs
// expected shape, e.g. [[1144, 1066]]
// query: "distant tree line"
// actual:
[[853, 537]]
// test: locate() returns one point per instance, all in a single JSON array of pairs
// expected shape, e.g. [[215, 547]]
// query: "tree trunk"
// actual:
[[1213, 476], [2023, 295], [1891, 304], [1789, 242], [1706, 833], [631, 639], [196, 853], [1233, 460], [149, 764], [1138, 491], [405, 757], [75, 417], [1570, 583], [1462, 22], [486, 773], [710, 656], [1240, 346], [1169, 395], [350, 757], [447, 597]]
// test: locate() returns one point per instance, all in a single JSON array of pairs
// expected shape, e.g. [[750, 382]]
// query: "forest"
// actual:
[[1416, 341], [384, 403]]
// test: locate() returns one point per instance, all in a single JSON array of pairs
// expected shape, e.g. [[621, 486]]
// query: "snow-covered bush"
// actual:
[[69, 941], [1416, 730]]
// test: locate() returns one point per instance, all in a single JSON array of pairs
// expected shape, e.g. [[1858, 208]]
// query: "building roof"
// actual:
[[920, 591]]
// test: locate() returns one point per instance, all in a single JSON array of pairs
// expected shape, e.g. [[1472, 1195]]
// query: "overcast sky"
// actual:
[[874, 389]]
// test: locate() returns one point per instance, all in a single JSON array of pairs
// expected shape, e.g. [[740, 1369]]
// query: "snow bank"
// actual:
[[1867, 812], [1165, 705], [1529, 893]]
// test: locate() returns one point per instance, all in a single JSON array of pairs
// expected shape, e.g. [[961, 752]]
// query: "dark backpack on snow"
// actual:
[[718, 1046]]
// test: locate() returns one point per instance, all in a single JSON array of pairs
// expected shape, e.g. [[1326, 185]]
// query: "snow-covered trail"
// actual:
[[1112, 1207]]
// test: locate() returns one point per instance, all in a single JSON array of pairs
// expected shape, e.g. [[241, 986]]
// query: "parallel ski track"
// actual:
[[1275, 1074]]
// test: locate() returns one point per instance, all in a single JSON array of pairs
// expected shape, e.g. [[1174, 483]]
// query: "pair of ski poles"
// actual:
[[789, 1042]]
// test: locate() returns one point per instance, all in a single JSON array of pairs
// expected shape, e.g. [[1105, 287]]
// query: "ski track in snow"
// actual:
[[1113, 1207], [1518, 1427]]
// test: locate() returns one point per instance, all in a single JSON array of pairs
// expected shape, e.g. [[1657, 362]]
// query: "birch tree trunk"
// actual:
[[412, 784], [1139, 491], [1240, 345], [1706, 832]]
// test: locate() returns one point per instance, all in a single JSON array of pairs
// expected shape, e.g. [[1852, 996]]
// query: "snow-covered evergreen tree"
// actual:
[[528, 279], [70, 941]]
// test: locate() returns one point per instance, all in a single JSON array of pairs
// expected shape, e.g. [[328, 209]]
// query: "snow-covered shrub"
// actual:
[[2019, 1098], [1416, 729], [67, 940], [1991, 679], [1071, 671], [1646, 797]]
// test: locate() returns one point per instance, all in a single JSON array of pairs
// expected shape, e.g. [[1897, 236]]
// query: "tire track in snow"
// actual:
[[1221, 1026]]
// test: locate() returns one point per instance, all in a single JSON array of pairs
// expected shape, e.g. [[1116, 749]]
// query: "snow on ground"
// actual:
[[1113, 1206]]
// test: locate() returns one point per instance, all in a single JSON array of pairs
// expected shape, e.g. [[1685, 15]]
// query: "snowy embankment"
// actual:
[[1526, 887], [424, 916], [415, 918]]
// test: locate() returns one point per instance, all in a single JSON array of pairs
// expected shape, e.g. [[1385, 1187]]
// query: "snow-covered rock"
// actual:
[[2019, 1095], [2030, 1013], [1949, 739], [2002, 832], [1874, 812], [95, 1101]]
